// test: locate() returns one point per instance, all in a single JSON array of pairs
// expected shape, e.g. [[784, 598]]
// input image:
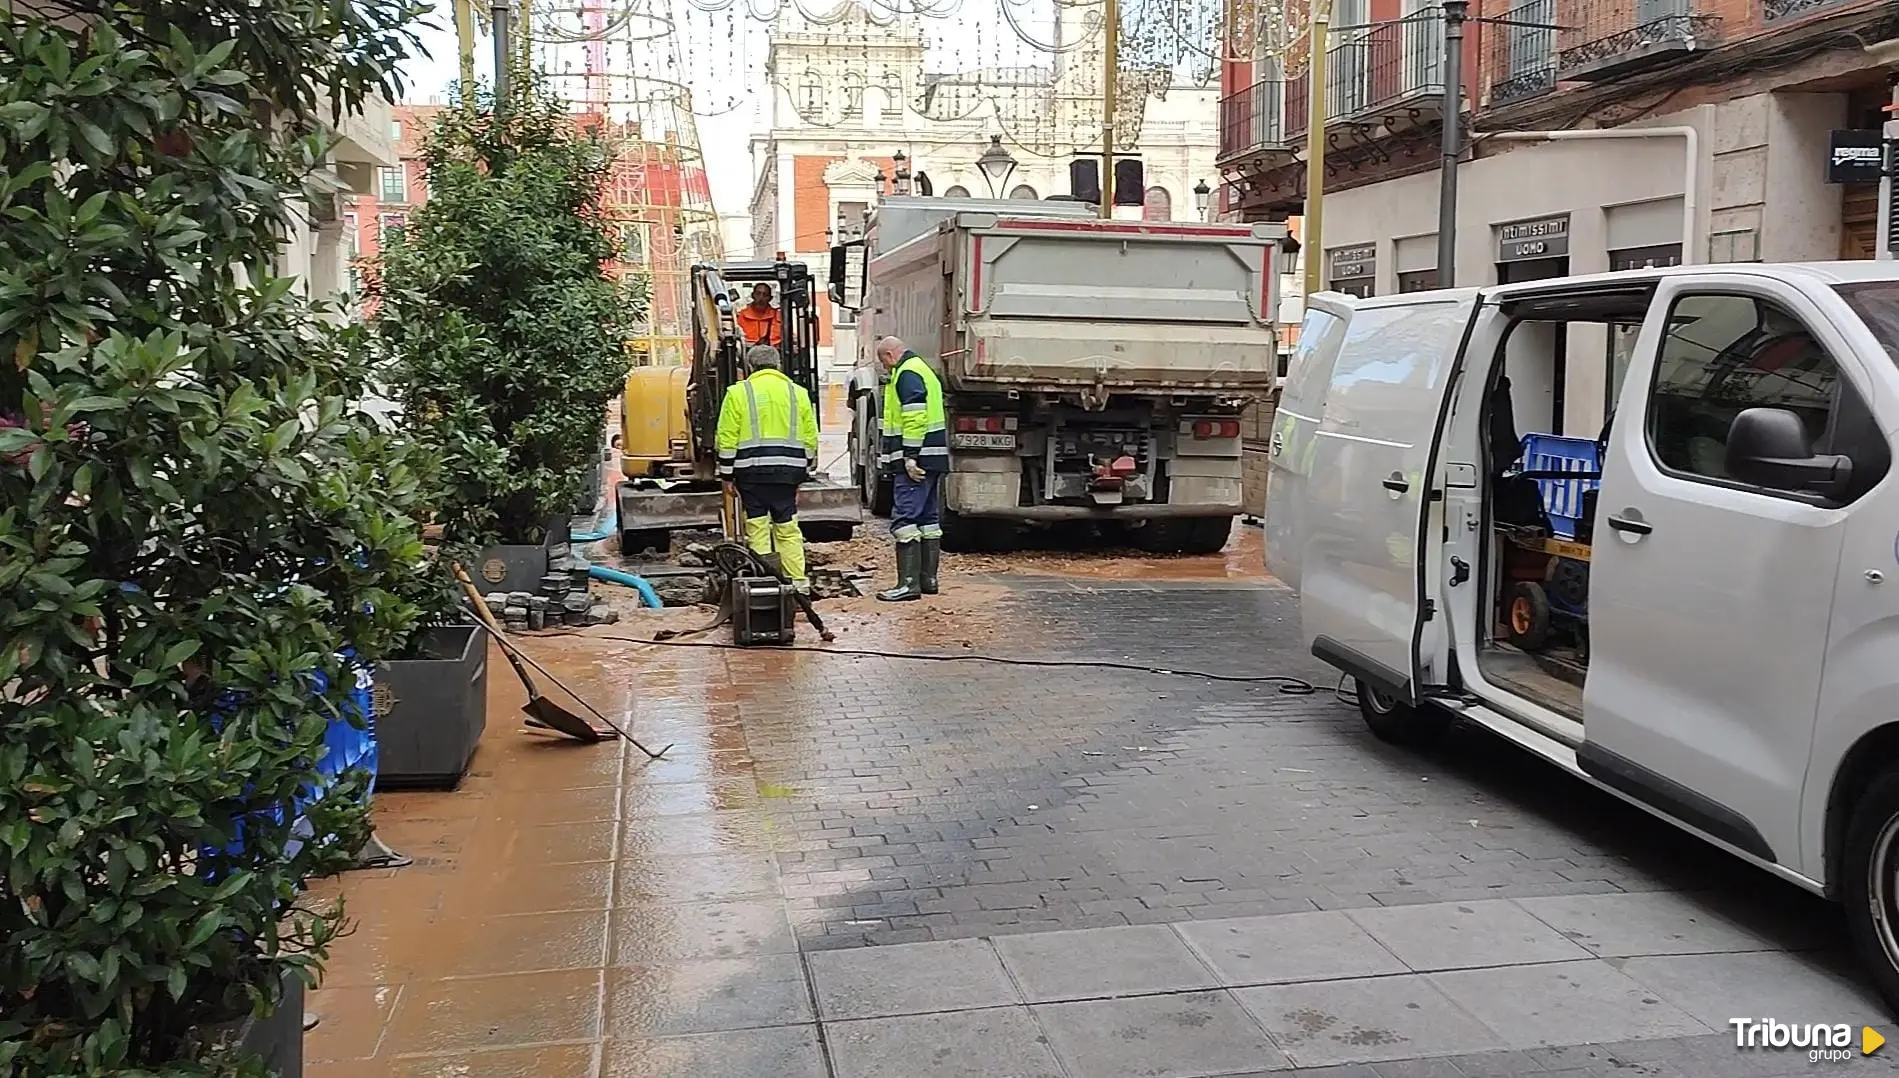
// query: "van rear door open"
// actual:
[[1362, 584], [1295, 430]]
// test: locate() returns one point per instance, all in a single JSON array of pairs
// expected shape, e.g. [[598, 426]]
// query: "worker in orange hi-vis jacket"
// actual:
[[759, 320]]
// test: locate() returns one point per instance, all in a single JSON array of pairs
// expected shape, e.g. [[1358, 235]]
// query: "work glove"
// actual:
[[913, 470]]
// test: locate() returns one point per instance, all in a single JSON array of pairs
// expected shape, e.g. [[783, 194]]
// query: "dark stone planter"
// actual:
[[277, 1040], [511, 568], [430, 712]]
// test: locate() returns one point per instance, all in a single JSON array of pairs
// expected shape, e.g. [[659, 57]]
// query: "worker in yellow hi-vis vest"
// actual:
[[768, 448], [916, 455]]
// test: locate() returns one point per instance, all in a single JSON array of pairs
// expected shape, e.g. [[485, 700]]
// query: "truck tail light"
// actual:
[[985, 424], [1216, 428]]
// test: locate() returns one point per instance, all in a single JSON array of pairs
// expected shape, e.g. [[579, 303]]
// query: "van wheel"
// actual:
[[1397, 722], [1529, 616], [1869, 883]]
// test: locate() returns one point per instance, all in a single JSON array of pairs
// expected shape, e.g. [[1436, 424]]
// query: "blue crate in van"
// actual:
[[1562, 498]]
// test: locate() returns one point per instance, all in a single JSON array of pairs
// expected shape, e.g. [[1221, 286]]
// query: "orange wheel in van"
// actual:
[[1528, 615]]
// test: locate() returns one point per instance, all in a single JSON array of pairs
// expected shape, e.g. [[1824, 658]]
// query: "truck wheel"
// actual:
[[1203, 535], [1391, 720], [1529, 615], [1869, 883], [962, 535]]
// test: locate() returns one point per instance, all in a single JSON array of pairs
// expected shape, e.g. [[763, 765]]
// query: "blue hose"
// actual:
[[615, 576], [608, 524]]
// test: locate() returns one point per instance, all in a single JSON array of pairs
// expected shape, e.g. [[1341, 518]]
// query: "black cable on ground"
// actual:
[[1288, 685]]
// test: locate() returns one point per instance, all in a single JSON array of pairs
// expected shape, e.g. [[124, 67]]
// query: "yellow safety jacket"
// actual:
[[914, 423], [768, 431]]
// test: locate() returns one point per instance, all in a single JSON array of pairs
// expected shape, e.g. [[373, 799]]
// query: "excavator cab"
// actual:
[[670, 417], [721, 291]]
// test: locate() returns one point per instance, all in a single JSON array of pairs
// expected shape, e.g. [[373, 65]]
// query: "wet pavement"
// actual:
[[867, 865]]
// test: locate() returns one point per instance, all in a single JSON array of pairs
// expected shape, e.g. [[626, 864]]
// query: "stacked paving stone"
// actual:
[[564, 598]]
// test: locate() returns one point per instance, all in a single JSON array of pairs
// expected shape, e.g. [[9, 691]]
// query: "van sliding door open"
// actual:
[[1369, 497]]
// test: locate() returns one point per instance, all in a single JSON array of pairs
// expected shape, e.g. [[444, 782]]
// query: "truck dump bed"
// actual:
[[1116, 306]]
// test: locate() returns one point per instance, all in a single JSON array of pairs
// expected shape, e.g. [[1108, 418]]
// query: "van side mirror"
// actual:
[[1768, 447], [846, 287]]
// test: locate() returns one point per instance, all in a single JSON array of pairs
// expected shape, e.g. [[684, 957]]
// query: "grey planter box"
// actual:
[[511, 568], [277, 1040], [430, 712]]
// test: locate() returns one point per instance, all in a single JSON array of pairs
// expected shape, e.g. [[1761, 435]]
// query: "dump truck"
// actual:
[[1093, 370], [669, 417]]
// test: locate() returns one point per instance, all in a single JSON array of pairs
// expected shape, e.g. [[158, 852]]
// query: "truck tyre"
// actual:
[[874, 488], [1189, 535], [1203, 535], [1529, 616], [1869, 883], [1398, 723], [961, 535]]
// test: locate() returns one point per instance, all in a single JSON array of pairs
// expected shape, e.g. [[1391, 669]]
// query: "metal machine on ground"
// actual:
[[670, 415]]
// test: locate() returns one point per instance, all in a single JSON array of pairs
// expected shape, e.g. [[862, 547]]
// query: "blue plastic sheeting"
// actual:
[[345, 746], [1562, 498]]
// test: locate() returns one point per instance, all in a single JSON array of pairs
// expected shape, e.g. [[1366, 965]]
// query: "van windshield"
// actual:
[[1877, 304]]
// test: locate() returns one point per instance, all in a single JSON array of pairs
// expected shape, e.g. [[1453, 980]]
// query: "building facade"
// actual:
[[322, 237], [394, 189], [851, 100], [1601, 135]]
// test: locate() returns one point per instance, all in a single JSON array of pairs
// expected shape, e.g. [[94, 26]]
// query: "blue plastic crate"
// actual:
[[1562, 498]]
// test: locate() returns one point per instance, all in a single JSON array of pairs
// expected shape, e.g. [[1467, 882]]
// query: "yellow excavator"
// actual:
[[669, 417]]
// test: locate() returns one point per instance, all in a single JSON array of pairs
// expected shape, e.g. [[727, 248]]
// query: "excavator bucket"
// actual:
[[646, 513]]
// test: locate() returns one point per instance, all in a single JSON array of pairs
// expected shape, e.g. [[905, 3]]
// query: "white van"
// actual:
[[1693, 604]]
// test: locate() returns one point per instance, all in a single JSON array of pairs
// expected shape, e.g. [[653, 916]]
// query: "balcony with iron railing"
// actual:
[[1392, 66], [1377, 72], [1520, 54], [1253, 120], [1607, 39], [1783, 11]]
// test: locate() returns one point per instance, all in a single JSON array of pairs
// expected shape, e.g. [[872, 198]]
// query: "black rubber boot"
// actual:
[[909, 567], [932, 561]]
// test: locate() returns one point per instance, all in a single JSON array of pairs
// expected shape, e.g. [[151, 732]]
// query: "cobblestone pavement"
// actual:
[[864, 866]]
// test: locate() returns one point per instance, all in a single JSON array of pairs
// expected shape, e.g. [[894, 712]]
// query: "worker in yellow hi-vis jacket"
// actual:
[[768, 448]]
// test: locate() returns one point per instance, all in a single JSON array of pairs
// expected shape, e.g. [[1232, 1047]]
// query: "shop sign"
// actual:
[[1353, 270], [1351, 263], [1545, 237], [1853, 157]]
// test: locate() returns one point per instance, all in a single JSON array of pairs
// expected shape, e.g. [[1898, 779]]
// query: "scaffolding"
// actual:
[[619, 64]]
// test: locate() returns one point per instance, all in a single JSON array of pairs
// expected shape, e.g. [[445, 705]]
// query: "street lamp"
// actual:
[[902, 165], [996, 166], [1202, 198]]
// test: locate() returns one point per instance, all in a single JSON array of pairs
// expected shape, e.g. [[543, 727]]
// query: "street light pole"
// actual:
[[465, 49], [1110, 86], [1312, 219], [502, 13], [1455, 11]]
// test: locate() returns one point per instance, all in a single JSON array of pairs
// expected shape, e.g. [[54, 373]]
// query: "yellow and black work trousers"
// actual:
[[771, 526]]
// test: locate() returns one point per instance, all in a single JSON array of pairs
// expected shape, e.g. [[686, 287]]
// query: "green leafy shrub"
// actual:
[[195, 522], [508, 335]]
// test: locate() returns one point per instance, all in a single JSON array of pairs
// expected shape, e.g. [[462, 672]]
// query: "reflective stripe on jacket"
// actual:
[[914, 424], [768, 431]]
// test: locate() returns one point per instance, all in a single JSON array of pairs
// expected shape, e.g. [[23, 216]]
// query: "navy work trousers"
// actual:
[[916, 509]]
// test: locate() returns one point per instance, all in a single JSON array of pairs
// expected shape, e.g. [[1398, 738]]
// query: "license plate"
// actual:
[[982, 441]]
